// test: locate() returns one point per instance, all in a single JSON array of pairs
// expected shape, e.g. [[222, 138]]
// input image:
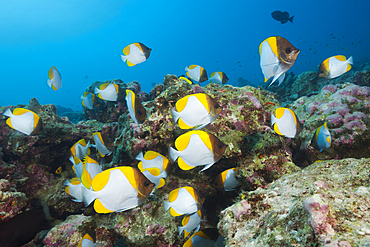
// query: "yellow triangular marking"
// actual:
[[173, 195], [99, 208]]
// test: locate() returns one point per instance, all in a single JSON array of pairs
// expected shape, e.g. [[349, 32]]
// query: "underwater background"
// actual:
[[156, 158], [84, 40]]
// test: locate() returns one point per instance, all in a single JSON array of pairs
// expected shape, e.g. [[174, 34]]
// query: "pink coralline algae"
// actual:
[[254, 100], [335, 119], [331, 88], [241, 208], [321, 220]]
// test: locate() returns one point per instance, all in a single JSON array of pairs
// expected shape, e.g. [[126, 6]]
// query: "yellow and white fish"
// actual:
[[218, 78], [103, 144], [135, 53], [190, 222], [88, 100], [184, 200], [118, 189], [226, 180], [89, 240], [321, 140], [135, 108], [197, 148], [285, 122], [154, 166], [90, 169], [205, 238], [24, 120], [335, 66], [196, 73], [55, 79], [75, 189], [108, 92], [195, 110], [277, 56], [80, 149]]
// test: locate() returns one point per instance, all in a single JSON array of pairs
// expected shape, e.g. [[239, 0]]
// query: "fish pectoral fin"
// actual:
[[183, 165], [130, 64], [99, 208], [206, 167], [161, 183]]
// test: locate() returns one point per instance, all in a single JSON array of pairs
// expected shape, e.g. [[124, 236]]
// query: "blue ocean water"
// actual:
[[84, 40]]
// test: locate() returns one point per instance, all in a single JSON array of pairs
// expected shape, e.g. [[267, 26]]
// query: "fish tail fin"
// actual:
[[173, 154], [291, 19], [88, 196], [350, 60], [123, 58], [175, 115], [180, 229], [187, 68], [8, 113], [273, 119], [166, 205], [48, 82], [140, 156]]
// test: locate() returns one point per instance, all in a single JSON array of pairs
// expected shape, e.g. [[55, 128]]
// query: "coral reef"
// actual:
[[322, 205]]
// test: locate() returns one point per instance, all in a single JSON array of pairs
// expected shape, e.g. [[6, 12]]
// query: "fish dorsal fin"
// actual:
[[103, 86], [126, 50], [182, 141], [20, 111], [100, 180], [223, 175], [161, 183], [192, 192], [154, 171], [341, 58], [138, 45], [82, 142], [183, 125], [173, 195], [129, 172], [116, 87], [75, 181], [181, 103], [99, 208], [193, 66], [203, 99], [183, 165], [185, 220], [279, 112], [151, 155], [213, 73], [85, 177]]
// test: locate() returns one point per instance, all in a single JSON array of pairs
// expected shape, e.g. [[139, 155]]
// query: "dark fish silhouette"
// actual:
[[283, 17]]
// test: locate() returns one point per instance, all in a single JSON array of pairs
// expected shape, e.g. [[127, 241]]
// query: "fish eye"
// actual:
[[288, 50], [217, 106], [146, 183], [220, 145]]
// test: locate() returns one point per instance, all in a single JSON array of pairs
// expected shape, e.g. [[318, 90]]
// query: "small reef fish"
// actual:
[[75, 189], [185, 79], [205, 238], [226, 180], [135, 53], [283, 17], [195, 110], [108, 92], [285, 122], [90, 169], [335, 66], [154, 166], [218, 78], [80, 149], [88, 240], [184, 200], [190, 222], [277, 56], [103, 144], [135, 108], [55, 79], [118, 189], [88, 100], [321, 140], [196, 73], [197, 148], [24, 121]]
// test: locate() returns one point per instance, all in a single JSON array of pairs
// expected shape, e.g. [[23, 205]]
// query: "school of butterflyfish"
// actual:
[[122, 188]]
